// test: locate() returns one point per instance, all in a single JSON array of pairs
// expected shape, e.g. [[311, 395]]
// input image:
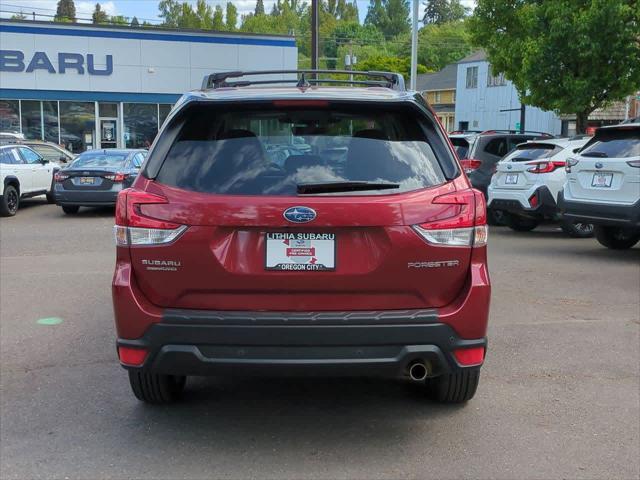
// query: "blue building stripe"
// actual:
[[19, 94], [137, 35]]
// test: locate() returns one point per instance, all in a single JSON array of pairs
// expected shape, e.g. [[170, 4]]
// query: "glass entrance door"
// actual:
[[108, 125]]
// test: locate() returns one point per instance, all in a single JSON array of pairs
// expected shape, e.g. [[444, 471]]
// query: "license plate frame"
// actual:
[[604, 180], [511, 179], [300, 251]]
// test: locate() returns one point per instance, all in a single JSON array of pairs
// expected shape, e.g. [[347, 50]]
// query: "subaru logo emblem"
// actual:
[[299, 214], [599, 165]]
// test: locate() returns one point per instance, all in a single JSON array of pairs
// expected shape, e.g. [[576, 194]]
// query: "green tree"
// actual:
[[204, 12], [218, 19], [18, 16], [391, 17], [391, 64], [99, 15], [65, 11], [259, 8], [135, 22], [119, 20], [443, 11], [231, 20], [571, 56]]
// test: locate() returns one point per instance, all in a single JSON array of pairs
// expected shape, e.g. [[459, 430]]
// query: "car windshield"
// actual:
[[616, 143], [91, 159], [301, 150], [533, 151]]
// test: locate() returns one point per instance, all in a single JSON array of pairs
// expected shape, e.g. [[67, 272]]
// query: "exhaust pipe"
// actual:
[[418, 371]]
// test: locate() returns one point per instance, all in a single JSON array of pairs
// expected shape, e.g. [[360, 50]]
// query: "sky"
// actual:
[[143, 9]]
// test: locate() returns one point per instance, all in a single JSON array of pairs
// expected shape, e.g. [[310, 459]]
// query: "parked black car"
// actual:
[[95, 177]]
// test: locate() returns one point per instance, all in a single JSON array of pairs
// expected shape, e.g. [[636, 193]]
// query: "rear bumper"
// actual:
[[323, 343], [546, 207], [600, 213], [86, 198]]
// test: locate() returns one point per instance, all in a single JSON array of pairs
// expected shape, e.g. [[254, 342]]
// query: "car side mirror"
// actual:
[[63, 159], [44, 161]]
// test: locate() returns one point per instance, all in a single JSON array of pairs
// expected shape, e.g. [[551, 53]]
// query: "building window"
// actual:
[[77, 125], [50, 122], [472, 77], [140, 124], [454, 96], [496, 80], [9, 116], [31, 120], [163, 111], [438, 97]]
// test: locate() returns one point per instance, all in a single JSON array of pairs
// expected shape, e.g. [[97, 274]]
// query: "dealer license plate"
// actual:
[[300, 251], [602, 180], [511, 179]]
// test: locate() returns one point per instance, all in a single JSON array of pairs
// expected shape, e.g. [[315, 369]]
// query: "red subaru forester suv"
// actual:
[[310, 226]]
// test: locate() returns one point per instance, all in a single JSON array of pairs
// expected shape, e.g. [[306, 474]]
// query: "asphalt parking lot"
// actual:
[[558, 396]]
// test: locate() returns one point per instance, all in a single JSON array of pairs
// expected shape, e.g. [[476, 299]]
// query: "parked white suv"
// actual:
[[603, 185], [526, 184], [23, 173]]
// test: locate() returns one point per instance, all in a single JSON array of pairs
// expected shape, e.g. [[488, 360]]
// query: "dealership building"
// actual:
[[88, 87]]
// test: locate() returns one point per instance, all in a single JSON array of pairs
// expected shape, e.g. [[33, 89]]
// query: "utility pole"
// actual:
[[523, 114], [314, 34], [414, 46]]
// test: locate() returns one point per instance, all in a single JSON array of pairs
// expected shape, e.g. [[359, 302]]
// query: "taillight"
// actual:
[[470, 164], [134, 228], [544, 166], [118, 177], [60, 177], [466, 226], [634, 163], [571, 162]]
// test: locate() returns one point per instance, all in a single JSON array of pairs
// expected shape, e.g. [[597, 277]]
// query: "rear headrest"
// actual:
[[372, 133]]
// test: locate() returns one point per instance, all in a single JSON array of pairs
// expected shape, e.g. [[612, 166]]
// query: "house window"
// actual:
[[438, 97], [496, 80], [472, 77]]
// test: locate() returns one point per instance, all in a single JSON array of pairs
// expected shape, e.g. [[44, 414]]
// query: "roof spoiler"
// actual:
[[306, 78]]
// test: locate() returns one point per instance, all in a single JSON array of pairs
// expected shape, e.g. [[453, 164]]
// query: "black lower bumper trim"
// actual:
[[546, 207], [599, 213], [262, 344]]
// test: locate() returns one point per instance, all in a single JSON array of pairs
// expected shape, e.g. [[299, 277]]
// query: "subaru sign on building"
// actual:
[[87, 87]]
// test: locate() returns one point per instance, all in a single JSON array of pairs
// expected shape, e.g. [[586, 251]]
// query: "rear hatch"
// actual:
[[608, 168], [519, 170], [313, 233]]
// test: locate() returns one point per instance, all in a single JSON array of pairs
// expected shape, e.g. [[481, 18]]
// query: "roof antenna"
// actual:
[[302, 83]]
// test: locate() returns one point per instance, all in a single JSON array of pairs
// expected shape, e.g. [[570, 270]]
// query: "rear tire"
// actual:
[[457, 387], [70, 209], [9, 201], [577, 229], [616, 238], [520, 224], [155, 388]]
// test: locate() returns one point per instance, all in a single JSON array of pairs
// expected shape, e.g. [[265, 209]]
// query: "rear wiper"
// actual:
[[330, 187], [595, 154]]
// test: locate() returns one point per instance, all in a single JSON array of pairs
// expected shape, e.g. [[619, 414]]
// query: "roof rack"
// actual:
[[489, 132], [306, 78]]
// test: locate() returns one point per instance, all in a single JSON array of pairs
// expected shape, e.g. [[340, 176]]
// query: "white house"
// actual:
[[488, 102]]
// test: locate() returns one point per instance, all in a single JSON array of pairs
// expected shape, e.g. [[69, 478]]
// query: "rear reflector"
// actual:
[[134, 357], [533, 200], [468, 357]]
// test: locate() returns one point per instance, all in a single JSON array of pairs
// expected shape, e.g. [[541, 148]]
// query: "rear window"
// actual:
[[614, 144], [534, 151], [87, 160], [462, 147], [275, 151]]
